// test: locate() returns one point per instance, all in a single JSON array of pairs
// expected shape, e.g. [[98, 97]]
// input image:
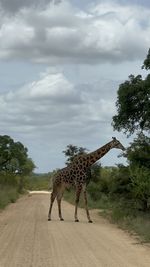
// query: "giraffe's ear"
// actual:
[[114, 138]]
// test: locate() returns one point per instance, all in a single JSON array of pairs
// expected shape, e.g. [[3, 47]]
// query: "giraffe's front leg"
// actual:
[[52, 198], [78, 192]]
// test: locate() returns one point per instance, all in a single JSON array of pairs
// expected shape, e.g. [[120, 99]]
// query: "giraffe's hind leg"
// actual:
[[59, 198], [52, 198]]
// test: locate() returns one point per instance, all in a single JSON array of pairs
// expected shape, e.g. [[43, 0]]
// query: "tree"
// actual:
[[133, 103], [13, 156], [138, 154], [146, 63], [28, 167], [72, 151]]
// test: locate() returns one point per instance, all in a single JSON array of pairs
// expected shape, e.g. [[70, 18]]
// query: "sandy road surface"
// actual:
[[27, 239]]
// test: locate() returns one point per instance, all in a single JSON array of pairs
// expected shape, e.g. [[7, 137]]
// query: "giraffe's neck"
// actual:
[[99, 153]]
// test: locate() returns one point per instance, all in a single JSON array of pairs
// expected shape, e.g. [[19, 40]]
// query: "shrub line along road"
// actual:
[[27, 239]]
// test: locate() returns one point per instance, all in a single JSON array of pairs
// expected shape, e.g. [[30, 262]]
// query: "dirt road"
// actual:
[[27, 239]]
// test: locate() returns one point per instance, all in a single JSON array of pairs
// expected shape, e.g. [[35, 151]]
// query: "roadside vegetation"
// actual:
[[15, 167], [8, 194]]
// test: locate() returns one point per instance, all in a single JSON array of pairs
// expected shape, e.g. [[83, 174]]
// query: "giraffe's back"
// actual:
[[69, 176]]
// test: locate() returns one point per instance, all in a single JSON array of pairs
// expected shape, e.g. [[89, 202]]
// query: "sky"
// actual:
[[61, 63]]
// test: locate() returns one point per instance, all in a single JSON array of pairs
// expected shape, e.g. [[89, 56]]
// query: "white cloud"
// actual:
[[54, 101], [63, 34]]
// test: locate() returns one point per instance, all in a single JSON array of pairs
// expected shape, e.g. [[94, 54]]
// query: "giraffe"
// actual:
[[75, 174]]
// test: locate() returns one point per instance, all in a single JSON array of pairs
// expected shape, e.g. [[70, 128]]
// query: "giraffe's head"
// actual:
[[117, 144]]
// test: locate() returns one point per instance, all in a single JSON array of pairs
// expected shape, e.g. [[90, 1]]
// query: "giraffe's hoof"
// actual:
[[49, 219], [61, 219], [90, 221], [76, 220]]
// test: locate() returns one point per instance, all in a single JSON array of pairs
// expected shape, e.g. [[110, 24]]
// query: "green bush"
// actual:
[[120, 181], [101, 185], [140, 186], [8, 179], [8, 194], [94, 191]]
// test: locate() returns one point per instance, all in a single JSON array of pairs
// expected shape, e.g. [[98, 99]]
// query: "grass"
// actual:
[[12, 186], [135, 221], [119, 212], [8, 194]]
